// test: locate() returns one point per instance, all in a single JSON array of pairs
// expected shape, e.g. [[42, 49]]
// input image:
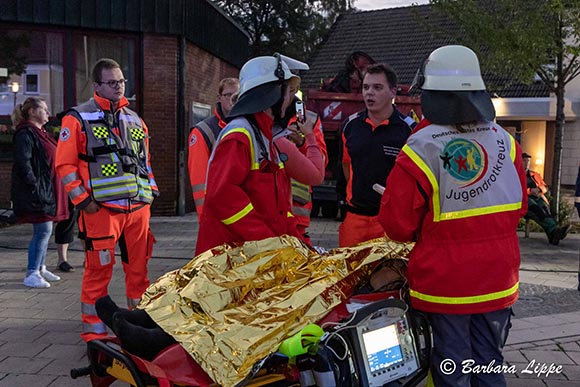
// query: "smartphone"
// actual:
[[300, 113]]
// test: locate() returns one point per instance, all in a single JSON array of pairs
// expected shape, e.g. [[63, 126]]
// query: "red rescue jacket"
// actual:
[[247, 189], [458, 196]]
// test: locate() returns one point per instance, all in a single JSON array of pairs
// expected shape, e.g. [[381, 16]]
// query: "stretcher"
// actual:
[[399, 358], [371, 339]]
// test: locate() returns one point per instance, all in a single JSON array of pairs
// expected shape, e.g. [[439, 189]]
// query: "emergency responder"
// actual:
[[103, 160], [371, 140], [539, 206], [458, 189], [202, 138], [302, 193], [248, 190]]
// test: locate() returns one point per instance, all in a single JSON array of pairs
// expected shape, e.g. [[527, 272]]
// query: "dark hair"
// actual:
[[21, 110], [104, 63], [350, 63], [385, 69]]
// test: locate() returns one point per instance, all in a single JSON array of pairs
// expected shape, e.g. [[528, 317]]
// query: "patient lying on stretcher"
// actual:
[[143, 337], [137, 332]]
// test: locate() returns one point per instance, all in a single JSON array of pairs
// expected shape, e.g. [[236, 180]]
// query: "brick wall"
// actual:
[[159, 91], [203, 72]]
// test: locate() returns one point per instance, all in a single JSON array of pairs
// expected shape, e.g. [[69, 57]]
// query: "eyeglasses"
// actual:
[[114, 84]]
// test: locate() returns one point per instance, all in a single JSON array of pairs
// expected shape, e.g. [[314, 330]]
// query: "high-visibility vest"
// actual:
[[462, 167], [117, 163]]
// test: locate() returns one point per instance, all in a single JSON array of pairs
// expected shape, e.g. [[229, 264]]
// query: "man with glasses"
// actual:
[[202, 137], [103, 160]]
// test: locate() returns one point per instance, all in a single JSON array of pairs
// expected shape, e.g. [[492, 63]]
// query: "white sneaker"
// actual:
[[48, 275], [35, 280]]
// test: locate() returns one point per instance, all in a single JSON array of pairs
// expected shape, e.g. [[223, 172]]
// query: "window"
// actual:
[[89, 49], [30, 81], [199, 112], [41, 54]]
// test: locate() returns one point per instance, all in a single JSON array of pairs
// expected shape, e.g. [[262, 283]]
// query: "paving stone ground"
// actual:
[[39, 329]]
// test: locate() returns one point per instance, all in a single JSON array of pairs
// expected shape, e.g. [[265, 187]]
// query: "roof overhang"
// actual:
[[536, 109]]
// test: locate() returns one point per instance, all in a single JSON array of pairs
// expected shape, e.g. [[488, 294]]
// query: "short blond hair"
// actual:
[[228, 82]]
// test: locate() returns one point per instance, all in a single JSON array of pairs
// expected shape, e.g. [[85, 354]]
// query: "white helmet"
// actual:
[[453, 89], [263, 69], [261, 81], [452, 68]]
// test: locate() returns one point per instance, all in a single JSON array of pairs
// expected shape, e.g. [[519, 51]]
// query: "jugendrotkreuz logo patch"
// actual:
[[465, 160]]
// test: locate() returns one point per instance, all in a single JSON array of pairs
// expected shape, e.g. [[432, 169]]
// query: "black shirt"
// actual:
[[372, 156]]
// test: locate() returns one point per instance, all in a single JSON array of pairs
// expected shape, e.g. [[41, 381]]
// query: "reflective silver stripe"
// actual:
[[300, 211], [77, 191], [133, 302], [129, 118], [199, 202], [198, 187], [88, 309], [70, 178], [94, 328], [91, 116]]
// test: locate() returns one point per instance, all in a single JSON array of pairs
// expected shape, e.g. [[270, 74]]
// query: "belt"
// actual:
[[362, 211]]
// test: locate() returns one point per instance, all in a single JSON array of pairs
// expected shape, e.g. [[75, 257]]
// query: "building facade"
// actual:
[[172, 52]]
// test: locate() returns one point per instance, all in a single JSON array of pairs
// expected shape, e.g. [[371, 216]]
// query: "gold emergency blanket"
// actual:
[[232, 306]]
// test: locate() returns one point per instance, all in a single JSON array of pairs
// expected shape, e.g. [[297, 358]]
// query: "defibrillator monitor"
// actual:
[[382, 348], [383, 344]]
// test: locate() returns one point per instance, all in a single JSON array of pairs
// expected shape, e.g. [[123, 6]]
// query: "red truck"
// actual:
[[333, 109]]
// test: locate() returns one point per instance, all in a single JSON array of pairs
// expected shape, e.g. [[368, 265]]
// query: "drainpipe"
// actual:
[[180, 116]]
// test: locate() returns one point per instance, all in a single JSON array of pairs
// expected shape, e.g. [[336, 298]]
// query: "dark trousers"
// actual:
[[539, 212], [64, 230], [459, 338]]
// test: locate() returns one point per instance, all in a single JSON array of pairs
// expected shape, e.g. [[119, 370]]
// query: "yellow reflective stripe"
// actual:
[[481, 211], [234, 218], [255, 165], [289, 215], [512, 148], [427, 171], [465, 300], [437, 215]]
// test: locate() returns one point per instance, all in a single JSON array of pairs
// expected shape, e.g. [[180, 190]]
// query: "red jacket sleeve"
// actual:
[[72, 142], [306, 169], [319, 134], [225, 198], [403, 205], [197, 159]]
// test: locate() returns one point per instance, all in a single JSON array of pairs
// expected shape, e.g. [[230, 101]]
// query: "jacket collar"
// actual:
[[105, 104], [218, 112], [265, 123]]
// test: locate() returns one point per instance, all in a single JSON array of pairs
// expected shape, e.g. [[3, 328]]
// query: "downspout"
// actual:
[[181, 114]]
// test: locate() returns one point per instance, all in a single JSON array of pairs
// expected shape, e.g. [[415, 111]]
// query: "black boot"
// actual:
[[143, 342], [106, 308]]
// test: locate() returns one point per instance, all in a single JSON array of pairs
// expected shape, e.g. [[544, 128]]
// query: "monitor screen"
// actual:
[[382, 347]]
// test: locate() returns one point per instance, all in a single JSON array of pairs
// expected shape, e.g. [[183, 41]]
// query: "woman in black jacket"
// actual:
[[37, 194]]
